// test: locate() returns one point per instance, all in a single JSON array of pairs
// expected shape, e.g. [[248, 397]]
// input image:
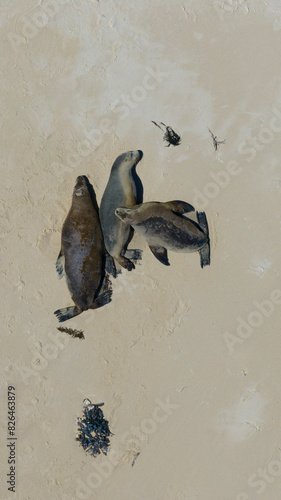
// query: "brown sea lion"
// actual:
[[82, 256], [164, 227]]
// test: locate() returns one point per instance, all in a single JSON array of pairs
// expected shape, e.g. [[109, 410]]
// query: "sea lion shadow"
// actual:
[[139, 186], [92, 193], [138, 182], [139, 194]]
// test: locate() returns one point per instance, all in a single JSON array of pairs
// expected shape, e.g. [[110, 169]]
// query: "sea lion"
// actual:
[[164, 227], [120, 191], [82, 255]]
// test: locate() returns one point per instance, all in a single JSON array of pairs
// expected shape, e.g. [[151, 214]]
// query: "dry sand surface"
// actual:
[[187, 361]]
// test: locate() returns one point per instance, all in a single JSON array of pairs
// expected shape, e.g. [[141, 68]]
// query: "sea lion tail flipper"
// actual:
[[103, 299], [67, 313], [160, 253], [60, 265], [133, 254], [179, 207], [205, 257], [126, 263], [110, 265], [202, 221]]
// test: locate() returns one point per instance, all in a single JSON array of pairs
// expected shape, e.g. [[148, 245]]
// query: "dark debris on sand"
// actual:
[[215, 141], [93, 429], [170, 135], [77, 334]]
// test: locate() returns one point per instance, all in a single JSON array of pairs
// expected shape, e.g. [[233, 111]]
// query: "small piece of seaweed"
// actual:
[[215, 141], [135, 457], [170, 135], [77, 334], [93, 429]]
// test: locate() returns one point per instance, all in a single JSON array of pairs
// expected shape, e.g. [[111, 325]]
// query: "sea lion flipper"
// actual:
[[67, 313], [110, 265], [205, 256], [103, 299], [60, 265], [126, 263], [179, 207], [202, 221], [160, 253], [205, 251], [133, 254]]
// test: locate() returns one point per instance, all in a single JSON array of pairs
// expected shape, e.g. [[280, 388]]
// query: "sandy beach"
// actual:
[[186, 360]]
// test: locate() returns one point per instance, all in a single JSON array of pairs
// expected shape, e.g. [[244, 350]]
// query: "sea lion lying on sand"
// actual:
[[83, 257], [120, 191], [164, 227]]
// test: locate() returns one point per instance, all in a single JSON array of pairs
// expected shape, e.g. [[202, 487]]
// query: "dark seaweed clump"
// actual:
[[170, 136], [93, 429]]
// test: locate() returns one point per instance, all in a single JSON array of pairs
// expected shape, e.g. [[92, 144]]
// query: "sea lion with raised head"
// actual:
[[164, 227], [83, 257], [120, 191]]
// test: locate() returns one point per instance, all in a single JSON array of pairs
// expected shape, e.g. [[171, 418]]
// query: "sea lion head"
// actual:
[[125, 214], [80, 188], [127, 160]]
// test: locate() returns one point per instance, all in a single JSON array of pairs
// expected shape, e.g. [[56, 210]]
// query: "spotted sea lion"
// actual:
[[120, 191], [82, 256], [164, 227]]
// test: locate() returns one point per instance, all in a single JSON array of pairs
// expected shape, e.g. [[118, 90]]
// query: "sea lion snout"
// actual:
[[80, 187], [137, 155], [122, 213], [130, 158], [80, 181], [134, 156]]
